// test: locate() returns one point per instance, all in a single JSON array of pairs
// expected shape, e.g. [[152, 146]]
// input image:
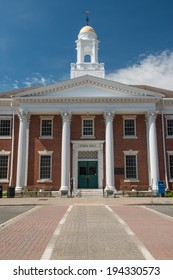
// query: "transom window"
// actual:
[[131, 166], [170, 127], [88, 127], [171, 166], [129, 127], [46, 127], [4, 167], [5, 127], [45, 167]]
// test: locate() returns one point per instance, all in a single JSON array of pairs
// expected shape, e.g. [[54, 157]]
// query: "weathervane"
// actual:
[[87, 17]]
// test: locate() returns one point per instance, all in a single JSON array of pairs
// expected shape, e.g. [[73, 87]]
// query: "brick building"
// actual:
[[99, 132]]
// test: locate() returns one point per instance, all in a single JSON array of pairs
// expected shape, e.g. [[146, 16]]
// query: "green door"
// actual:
[[88, 174]]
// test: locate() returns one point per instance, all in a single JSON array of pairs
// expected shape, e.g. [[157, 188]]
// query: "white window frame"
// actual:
[[46, 118], [4, 118], [170, 153], [6, 153], [45, 153], [131, 153], [129, 136], [93, 131], [168, 118]]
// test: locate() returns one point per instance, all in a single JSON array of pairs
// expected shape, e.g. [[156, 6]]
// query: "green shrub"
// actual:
[[4, 193], [169, 194]]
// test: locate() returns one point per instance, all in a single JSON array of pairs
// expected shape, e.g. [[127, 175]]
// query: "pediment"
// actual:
[[87, 87]]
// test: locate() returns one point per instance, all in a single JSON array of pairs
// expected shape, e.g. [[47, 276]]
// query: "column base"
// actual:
[[110, 191], [18, 189], [110, 188], [64, 191]]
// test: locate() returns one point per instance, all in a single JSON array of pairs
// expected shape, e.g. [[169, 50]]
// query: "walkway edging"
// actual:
[[147, 255], [50, 246]]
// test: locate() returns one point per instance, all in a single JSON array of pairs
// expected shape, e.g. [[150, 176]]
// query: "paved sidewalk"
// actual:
[[69, 201], [90, 231], [93, 233], [154, 230], [27, 237]]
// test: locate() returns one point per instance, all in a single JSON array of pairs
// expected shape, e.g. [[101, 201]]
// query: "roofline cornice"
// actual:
[[87, 80], [88, 100]]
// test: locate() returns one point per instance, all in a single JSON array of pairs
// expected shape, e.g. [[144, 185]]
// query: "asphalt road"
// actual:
[[9, 212], [164, 209]]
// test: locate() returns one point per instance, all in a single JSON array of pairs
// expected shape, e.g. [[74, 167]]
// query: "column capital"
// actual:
[[66, 116], [23, 115], [109, 116], [151, 115]]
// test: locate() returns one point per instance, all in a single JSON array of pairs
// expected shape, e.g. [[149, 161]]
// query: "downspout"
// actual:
[[12, 144], [164, 152]]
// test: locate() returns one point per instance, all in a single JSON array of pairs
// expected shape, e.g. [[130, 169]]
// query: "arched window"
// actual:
[[87, 58]]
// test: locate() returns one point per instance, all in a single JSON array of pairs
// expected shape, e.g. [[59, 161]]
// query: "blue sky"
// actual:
[[37, 40]]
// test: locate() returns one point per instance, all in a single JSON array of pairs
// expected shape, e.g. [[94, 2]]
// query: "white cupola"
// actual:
[[87, 55]]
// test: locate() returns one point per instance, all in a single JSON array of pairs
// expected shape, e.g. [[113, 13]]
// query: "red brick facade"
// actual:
[[121, 144]]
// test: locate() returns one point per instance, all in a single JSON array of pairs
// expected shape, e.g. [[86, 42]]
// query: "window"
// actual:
[[4, 167], [171, 166], [131, 166], [5, 127], [169, 127], [45, 167], [46, 130], [129, 127], [87, 127]]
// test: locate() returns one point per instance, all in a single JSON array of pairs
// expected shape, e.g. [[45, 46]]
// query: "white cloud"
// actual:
[[38, 80], [154, 70]]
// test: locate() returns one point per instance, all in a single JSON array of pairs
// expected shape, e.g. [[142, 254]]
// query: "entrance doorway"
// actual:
[[88, 174]]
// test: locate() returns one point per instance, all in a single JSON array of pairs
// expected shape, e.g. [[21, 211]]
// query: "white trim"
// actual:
[[5, 137], [170, 153], [45, 153], [6, 153], [168, 117], [91, 118], [4, 181], [131, 153], [6, 118], [129, 118], [46, 118], [85, 145]]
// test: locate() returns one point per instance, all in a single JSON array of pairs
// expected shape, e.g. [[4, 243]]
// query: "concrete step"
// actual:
[[90, 192]]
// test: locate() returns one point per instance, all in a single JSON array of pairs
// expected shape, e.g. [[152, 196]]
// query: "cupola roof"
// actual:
[[87, 28]]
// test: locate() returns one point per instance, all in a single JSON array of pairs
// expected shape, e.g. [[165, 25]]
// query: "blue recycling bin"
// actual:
[[161, 189]]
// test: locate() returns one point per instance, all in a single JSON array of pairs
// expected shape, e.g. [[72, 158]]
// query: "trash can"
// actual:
[[161, 189], [11, 192], [1, 191]]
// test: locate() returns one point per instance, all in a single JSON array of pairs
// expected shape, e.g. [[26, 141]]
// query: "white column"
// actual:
[[65, 152], [153, 151], [148, 150], [27, 152], [24, 118], [110, 185]]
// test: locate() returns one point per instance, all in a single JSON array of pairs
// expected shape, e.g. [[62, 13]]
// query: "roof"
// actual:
[[135, 90], [8, 94], [87, 28], [167, 93]]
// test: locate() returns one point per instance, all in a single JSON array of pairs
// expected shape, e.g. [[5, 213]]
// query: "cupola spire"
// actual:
[[87, 17], [87, 54]]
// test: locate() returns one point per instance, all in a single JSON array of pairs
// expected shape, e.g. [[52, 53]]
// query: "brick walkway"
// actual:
[[155, 231], [93, 233], [89, 232], [26, 238]]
